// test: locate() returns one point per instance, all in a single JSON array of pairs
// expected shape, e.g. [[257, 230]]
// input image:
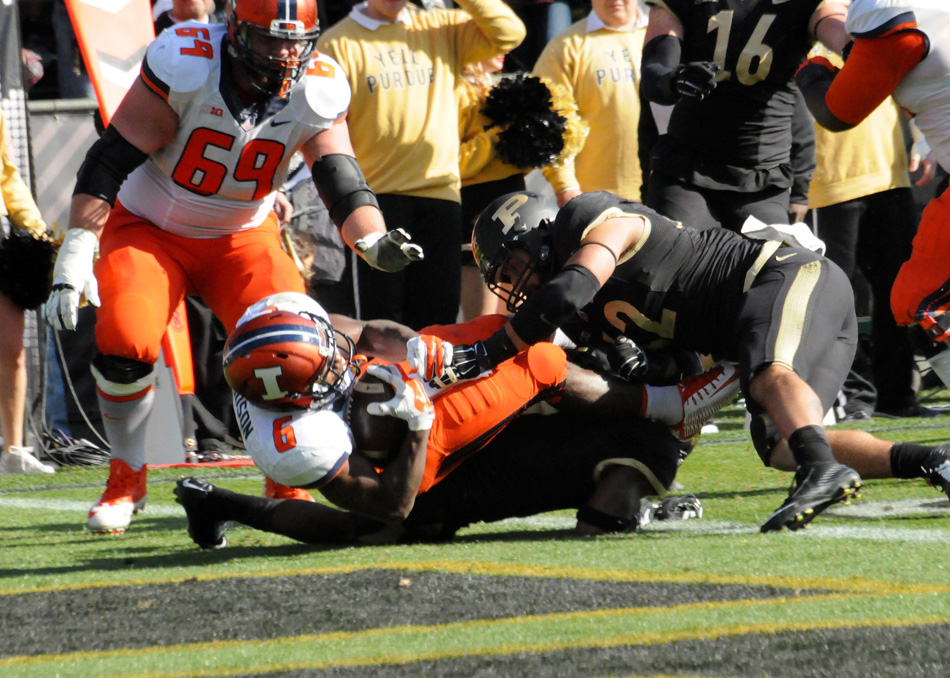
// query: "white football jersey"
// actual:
[[306, 447], [219, 173], [925, 90], [300, 447]]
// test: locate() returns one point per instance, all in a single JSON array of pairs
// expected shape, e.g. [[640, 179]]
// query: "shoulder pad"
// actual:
[[323, 96], [182, 56], [870, 19]]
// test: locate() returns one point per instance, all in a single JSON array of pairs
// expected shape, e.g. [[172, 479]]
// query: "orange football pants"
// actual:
[[144, 272], [921, 291], [469, 414]]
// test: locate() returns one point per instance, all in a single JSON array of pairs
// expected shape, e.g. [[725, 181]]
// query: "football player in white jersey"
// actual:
[[177, 196], [291, 372], [901, 48]]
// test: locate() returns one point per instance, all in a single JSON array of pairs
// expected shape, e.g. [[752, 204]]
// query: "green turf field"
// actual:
[[865, 591]]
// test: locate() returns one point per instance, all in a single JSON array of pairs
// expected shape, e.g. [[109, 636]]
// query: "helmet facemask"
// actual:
[[511, 242], [512, 268], [253, 46], [335, 378]]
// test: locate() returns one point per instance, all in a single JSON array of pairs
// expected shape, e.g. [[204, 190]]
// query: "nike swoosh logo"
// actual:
[[278, 123], [785, 256], [779, 2]]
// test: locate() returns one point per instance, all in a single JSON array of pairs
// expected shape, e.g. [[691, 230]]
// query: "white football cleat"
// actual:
[[125, 496]]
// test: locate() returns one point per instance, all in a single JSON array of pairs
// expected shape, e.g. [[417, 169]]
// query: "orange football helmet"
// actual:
[[282, 360], [274, 40]]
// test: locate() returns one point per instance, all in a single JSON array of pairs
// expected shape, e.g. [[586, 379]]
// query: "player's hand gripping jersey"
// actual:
[[219, 173]]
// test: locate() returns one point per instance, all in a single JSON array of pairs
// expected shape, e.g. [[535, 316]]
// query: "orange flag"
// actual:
[[113, 36]]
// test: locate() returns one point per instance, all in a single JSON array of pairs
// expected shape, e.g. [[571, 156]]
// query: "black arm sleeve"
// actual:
[[661, 56], [107, 164], [814, 80], [555, 303]]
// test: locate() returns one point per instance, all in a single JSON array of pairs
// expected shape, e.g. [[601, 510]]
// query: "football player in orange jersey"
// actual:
[[178, 195]]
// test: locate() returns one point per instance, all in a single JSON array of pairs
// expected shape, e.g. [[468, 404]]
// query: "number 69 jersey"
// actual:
[[218, 174]]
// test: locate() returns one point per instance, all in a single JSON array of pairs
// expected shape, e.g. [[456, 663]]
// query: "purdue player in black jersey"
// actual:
[[728, 67], [607, 268]]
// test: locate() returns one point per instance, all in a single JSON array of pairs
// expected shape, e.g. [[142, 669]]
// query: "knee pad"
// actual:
[[117, 376]]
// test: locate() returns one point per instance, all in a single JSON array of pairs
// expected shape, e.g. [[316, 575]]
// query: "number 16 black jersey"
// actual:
[[745, 122]]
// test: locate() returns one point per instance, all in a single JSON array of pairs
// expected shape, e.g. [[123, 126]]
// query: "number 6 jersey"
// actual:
[[219, 173]]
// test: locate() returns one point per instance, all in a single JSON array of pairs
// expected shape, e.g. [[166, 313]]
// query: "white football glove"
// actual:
[[73, 278], [410, 403], [389, 251], [429, 356]]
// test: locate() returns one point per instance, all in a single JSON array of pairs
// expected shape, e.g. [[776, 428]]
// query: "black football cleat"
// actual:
[[936, 468], [207, 533], [817, 486]]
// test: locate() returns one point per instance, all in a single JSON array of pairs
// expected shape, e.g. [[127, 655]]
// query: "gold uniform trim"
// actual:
[[768, 249], [793, 313], [616, 213]]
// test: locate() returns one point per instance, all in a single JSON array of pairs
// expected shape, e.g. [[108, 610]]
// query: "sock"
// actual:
[[940, 364], [125, 421], [907, 459], [662, 404], [305, 521], [810, 444], [247, 509]]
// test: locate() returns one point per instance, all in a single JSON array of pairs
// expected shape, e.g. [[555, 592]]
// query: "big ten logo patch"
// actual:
[[400, 69]]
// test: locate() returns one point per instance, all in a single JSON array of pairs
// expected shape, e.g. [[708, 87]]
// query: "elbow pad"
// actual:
[[107, 164], [661, 57], [341, 185], [555, 303]]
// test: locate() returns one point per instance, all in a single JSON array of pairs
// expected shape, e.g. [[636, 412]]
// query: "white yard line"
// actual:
[[869, 509], [79, 506]]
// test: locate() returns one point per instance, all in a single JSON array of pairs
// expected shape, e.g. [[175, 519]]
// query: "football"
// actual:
[[376, 437]]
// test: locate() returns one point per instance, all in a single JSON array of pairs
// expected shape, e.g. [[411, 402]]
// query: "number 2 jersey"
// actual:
[[736, 135], [677, 285], [219, 173]]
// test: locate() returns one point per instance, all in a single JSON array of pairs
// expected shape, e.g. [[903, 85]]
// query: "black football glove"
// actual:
[[695, 79], [468, 361], [627, 360]]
